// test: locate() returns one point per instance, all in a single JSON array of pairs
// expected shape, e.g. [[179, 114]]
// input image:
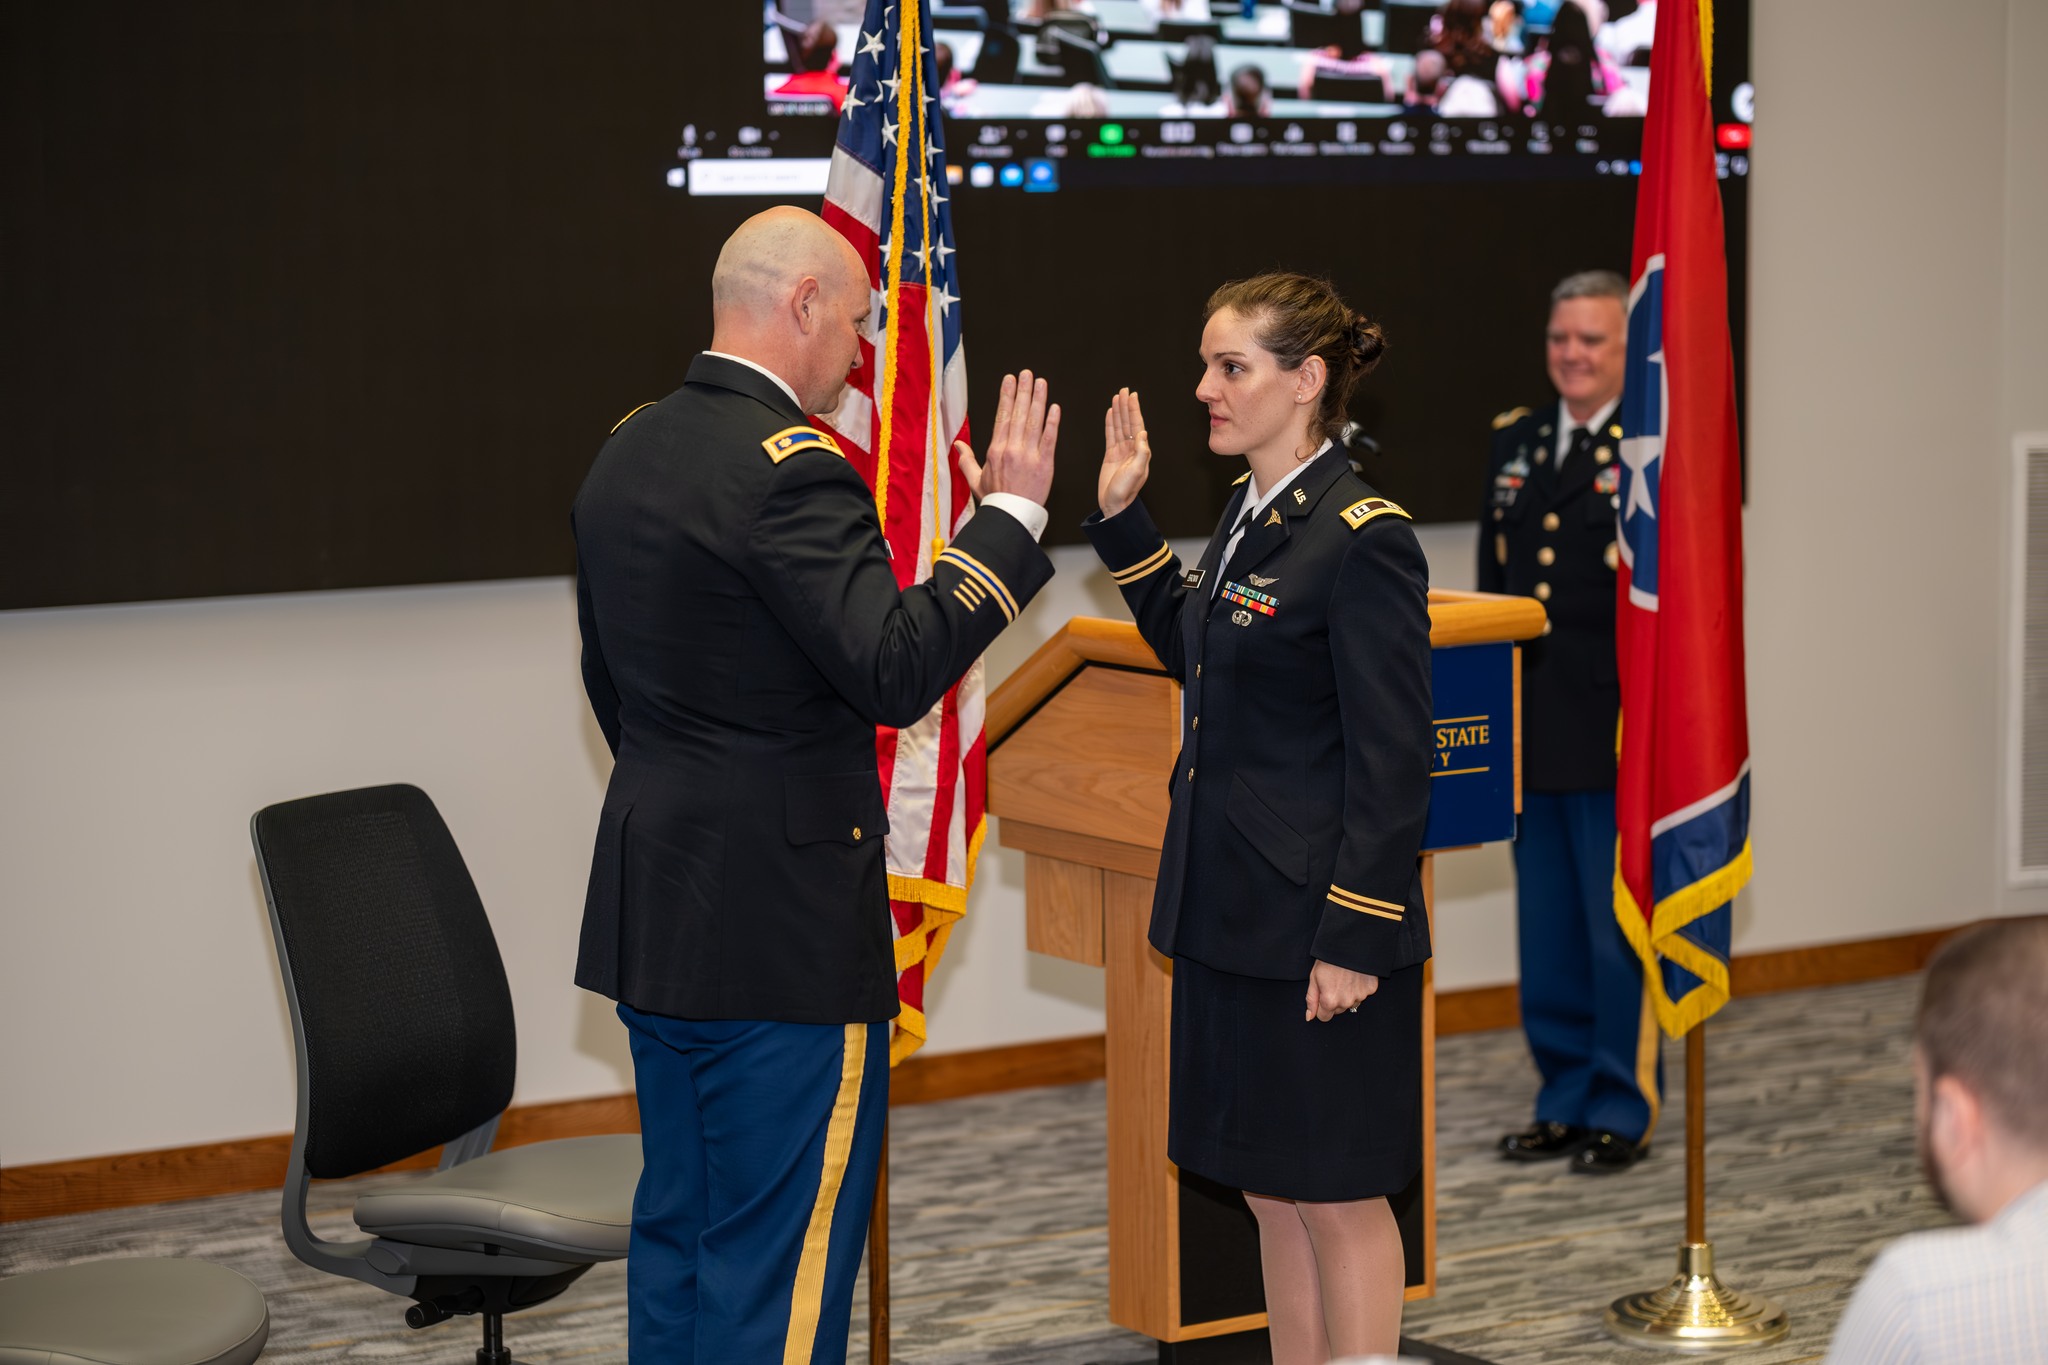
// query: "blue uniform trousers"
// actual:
[[1585, 1009], [761, 1145]]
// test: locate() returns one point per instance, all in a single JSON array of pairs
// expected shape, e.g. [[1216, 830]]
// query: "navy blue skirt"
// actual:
[[1266, 1102]]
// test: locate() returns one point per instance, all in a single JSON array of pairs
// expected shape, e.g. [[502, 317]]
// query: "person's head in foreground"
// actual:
[[817, 47], [791, 294], [1248, 92], [1281, 354], [1977, 1294], [1426, 82], [1980, 1068]]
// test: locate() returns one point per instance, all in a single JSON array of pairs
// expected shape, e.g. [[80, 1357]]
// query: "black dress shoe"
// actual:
[[1607, 1153], [1544, 1141]]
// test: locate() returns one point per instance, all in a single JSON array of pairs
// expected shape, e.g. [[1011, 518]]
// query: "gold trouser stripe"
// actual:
[[1149, 564], [1648, 1042], [1358, 902], [806, 1299]]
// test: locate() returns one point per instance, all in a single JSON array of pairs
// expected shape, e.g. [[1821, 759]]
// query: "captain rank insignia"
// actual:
[[791, 440]]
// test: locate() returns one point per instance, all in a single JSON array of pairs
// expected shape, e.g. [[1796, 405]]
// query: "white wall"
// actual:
[[1899, 319]]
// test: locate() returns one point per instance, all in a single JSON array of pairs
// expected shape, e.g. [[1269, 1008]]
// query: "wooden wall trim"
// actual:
[[1785, 969], [61, 1187], [154, 1177]]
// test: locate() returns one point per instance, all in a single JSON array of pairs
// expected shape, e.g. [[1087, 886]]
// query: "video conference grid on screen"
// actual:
[[1042, 95]]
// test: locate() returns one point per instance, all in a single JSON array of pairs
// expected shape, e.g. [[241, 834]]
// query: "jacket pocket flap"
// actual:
[[1273, 837], [841, 808]]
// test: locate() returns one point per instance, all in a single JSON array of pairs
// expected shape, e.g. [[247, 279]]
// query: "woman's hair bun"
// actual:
[[1368, 342]]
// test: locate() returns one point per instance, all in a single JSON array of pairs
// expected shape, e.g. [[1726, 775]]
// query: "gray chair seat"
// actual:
[[568, 1200], [133, 1312]]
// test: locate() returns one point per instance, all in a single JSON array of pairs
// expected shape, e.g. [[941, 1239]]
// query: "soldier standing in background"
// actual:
[[1548, 531]]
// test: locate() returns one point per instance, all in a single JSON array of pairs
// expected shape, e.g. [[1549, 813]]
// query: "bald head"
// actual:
[[769, 257], [790, 293]]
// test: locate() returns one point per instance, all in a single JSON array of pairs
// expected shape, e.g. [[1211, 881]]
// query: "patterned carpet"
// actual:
[[999, 1244]]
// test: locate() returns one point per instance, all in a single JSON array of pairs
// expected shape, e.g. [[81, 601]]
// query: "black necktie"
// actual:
[[1582, 439]]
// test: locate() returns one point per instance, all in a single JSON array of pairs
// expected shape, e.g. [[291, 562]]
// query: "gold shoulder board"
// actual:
[[629, 416], [1509, 418], [1240, 478], [1365, 509], [789, 441]]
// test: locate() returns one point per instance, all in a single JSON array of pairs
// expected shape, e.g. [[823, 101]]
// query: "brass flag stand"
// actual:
[[1695, 1311], [878, 1263]]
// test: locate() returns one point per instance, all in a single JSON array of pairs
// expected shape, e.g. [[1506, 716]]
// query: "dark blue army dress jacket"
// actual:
[[743, 635], [1303, 778], [1550, 534]]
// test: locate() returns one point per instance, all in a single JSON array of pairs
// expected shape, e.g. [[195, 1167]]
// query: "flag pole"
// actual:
[[1695, 1311], [878, 1262]]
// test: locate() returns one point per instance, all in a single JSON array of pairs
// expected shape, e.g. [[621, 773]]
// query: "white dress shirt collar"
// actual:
[[1255, 499], [1595, 424], [780, 382], [1255, 503]]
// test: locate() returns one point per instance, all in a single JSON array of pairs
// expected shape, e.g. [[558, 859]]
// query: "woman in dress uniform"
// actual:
[[1289, 893]]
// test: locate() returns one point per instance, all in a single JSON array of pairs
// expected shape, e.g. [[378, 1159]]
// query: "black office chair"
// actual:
[[403, 1023], [1348, 89], [1180, 30], [959, 17], [1081, 61], [1310, 25]]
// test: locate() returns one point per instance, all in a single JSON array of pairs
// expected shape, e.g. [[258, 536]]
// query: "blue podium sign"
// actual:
[[1472, 782]]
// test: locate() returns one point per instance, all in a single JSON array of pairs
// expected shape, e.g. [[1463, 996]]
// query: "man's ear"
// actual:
[[808, 304], [1955, 1121]]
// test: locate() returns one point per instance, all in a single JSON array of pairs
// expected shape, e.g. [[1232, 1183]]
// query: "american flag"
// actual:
[[1682, 798], [897, 421]]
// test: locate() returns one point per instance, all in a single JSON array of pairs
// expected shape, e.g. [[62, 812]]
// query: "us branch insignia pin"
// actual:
[[1241, 617], [1299, 497]]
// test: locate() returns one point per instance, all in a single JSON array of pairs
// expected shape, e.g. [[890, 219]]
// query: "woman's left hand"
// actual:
[[1332, 990]]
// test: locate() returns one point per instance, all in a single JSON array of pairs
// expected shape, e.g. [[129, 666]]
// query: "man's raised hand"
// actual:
[[1020, 444]]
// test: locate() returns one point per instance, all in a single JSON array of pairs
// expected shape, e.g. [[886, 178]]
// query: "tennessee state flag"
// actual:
[[1682, 796]]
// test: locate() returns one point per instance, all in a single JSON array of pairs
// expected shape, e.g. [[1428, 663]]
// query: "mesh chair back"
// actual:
[[1407, 28], [1310, 25], [399, 995], [1081, 61]]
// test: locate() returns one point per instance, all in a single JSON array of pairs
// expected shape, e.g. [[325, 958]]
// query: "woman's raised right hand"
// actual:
[[1126, 454]]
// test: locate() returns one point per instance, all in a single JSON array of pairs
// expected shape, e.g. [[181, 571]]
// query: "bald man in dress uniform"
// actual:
[[743, 635], [1547, 531]]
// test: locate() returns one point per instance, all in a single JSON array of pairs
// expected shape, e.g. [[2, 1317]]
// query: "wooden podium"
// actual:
[[1081, 739]]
